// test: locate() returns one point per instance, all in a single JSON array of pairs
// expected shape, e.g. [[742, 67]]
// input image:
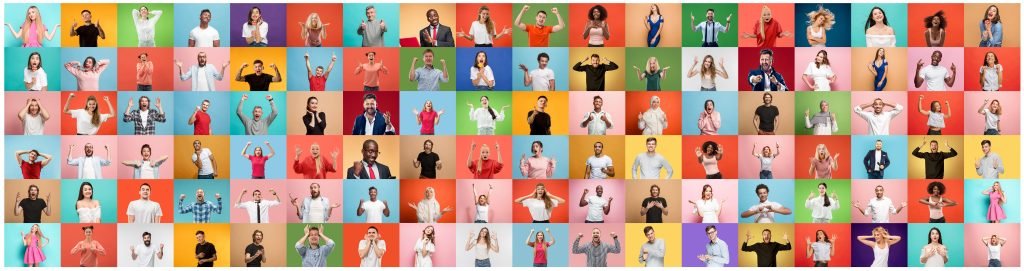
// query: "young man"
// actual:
[[318, 80], [200, 119], [654, 207], [204, 35], [371, 70], [88, 32], [710, 29], [598, 205], [30, 168], [428, 78], [203, 76], [145, 119], [428, 161], [255, 254], [258, 81], [31, 208], [595, 71], [764, 210], [314, 166], [936, 77], [145, 254], [596, 252], [648, 165], [371, 248], [372, 29], [767, 250], [89, 166], [539, 33], [144, 210], [314, 254], [541, 79], [717, 250], [934, 160], [204, 161], [599, 166], [878, 120], [206, 252], [652, 252], [989, 165], [315, 208], [765, 77], [597, 121], [876, 161], [371, 121], [436, 34], [368, 167], [257, 124], [766, 116], [201, 209], [257, 208], [374, 209], [880, 207]]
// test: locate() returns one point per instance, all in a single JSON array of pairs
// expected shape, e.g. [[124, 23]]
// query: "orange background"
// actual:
[[185, 243], [524, 101], [329, 102], [71, 234], [1009, 14], [415, 18], [105, 14], [269, 55], [578, 18], [327, 145], [329, 14], [639, 102], [351, 152], [804, 231], [163, 67], [806, 147], [582, 147], [918, 124], [750, 13], [412, 192], [161, 191], [558, 188], [52, 187], [355, 232], [462, 150], [693, 169], [501, 15], [219, 145], [353, 57], [918, 189], [916, 14], [1009, 58], [862, 78], [68, 125], [636, 16], [413, 145]]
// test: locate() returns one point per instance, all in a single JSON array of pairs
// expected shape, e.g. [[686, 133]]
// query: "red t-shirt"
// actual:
[[538, 35], [427, 122], [258, 166], [202, 124], [771, 32], [487, 170], [31, 170], [316, 83]]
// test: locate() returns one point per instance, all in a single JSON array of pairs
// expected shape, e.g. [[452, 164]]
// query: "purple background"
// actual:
[[694, 240], [273, 14], [863, 255]]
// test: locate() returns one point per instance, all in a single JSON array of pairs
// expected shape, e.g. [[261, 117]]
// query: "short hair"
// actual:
[[598, 97], [649, 139], [254, 62], [87, 228], [648, 229], [86, 10], [428, 14], [933, 185], [767, 230], [543, 55], [709, 227], [256, 191], [205, 10], [542, 97], [762, 186], [428, 51], [373, 228], [595, 55], [369, 96], [934, 141], [711, 10], [371, 188], [146, 184], [146, 233], [367, 143], [767, 52], [983, 142], [369, 7], [200, 232], [542, 12]]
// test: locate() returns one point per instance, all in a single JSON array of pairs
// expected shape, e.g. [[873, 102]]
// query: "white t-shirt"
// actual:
[[596, 125], [374, 211], [263, 27], [598, 163], [991, 120], [879, 209], [146, 255], [40, 76], [934, 77], [763, 215], [88, 170], [994, 251], [708, 210], [201, 80], [204, 160], [145, 211], [480, 34], [820, 76], [146, 170], [538, 210], [33, 125], [473, 71], [205, 37], [317, 208], [371, 259], [83, 121], [542, 79], [595, 208]]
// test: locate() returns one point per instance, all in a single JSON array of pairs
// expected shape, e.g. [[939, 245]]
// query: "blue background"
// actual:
[[780, 191], [497, 58], [952, 237], [108, 79], [210, 187], [725, 104], [277, 127], [359, 189], [14, 14], [555, 147], [558, 61], [896, 13], [166, 99], [558, 253], [15, 256], [415, 99], [44, 144], [894, 146], [835, 37], [355, 13], [16, 60], [185, 103], [104, 191], [976, 204], [186, 17], [241, 168], [728, 232], [296, 72]]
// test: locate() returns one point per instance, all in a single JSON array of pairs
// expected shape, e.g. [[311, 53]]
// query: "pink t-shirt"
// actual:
[[427, 122], [258, 166], [144, 74]]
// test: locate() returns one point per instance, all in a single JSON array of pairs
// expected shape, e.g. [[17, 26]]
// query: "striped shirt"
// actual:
[[200, 210], [597, 255]]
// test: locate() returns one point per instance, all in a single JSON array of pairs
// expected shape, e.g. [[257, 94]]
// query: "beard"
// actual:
[[147, 242]]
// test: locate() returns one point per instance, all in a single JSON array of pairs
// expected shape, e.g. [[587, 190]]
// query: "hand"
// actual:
[[522, 157], [414, 60], [526, 7], [245, 65], [268, 97], [382, 25], [580, 235], [362, 24], [640, 116], [920, 63], [74, 25], [586, 190], [952, 67], [554, 10], [692, 17], [217, 196], [357, 168], [524, 68], [273, 66], [807, 112], [245, 97], [306, 56], [748, 234], [443, 62], [131, 103], [106, 98], [785, 236], [177, 63], [333, 57], [181, 198]]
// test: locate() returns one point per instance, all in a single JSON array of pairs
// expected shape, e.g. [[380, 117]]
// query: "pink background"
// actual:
[[839, 59], [71, 172], [782, 166], [582, 103], [215, 57], [859, 126], [975, 255], [974, 123], [723, 189], [14, 101], [580, 260], [612, 189], [300, 189], [444, 243], [500, 201], [130, 148], [278, 214], [863, 190], [949, 55]]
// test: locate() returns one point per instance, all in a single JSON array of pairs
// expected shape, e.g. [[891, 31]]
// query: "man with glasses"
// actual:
[[717, 250]]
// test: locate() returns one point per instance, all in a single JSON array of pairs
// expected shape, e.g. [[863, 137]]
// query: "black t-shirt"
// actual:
[[541, 123], [251, 249], [428, 164], [32, 210], [318, 127], [87, 35], [208, 251], [767, 115], [259, 82], [654, 213]]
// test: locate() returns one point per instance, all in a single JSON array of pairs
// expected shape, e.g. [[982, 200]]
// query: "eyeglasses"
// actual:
[[711, 232]]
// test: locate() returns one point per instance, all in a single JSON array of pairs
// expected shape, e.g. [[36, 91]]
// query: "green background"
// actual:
[[557, 39], [406, 55], [695, 39], [498, 99], [804, 187], [127, 37], [667, 57], [838, 102], [334, 231], [16, 60]]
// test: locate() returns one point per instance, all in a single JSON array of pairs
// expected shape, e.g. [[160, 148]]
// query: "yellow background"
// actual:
[[613, 80], [414, 19], [953, 168], [105, 13], [524, 101], [351, 152], [219, 145], [582, 147], [749, 259], [277, 56], [185, 243], [668, 146], [1007, 146], [672, 233]]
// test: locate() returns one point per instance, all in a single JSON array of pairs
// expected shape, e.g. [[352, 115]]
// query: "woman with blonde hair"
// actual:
[[823, 164], [708, 72], [33, 242], [482, 31], [427, 118], [32, 30], [996, 198], [653, 73], [820, 21], [880, 241], [540, 244], [540, 203], [425, 248], [313, 30]]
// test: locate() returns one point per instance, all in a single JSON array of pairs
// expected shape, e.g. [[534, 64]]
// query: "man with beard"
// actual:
[[314, 166], [764, 211], [31, 208], [595, 71], [144, 210], [436, 34], [371, 248], [89, 166], [371, 71], [427, 77], [255, 255], [145, 120], [371, 121], [314, 254], [766, 250], [318, 80], [710, 29], [880, 207], [30, 168], [257, 124], [654, 207], [878, 120], [201, 208], [936, 77], [204, 161], [374, 209], [145, 252], [598, 121], [765, 77], [258, 209], [596, 251], [258, 81], [204, 35], [766, 116], [368, 167], [87, 33], [541, 79], [428, 161], [203, 76], [200, 120], [206, 253], [876, 161], [934, 160], [539, 33], [315, 208], [599, 166], [598, 205]]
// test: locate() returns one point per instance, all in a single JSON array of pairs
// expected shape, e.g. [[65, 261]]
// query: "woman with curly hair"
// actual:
[[819, 22], [935, 29], [936, 202], [596, 31], [708, 155]]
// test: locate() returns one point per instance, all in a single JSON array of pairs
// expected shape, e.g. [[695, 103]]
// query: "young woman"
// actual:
[[879, 69], [87, 207], [936, 118], [992, 112], [88, 72], [996, 198], [88, 119], [33, 117], [653, 73], [482, 245], [653, 121], [313, 31], [483, 167], [314, 120], [819, 22], [428, 118], [822, 249], [540, 203], [708, 72], [708, 155], [482, 31], [428, 210], [34, 244], [482, 206], [485, 116], [537, 166], [765, 157], [258, 160], [90, 249], [708, 208], [35, 76], [880, 241], [936, 202], [540, 246], [991, 28], [255, 29], [821, 204], [935, 29], [819, 76], [32, 30], [481, 73], [425, 248], [823, 122], [709, 120], [653, 23], [147, 168], [145, 26], [877, 32], [596, 31], [823, 164], [934, 254], [991, 78]]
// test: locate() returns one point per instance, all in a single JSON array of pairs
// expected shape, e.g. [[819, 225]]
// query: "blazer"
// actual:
[[379, 127], [780, 86], [444, 36], [385, 173], [869, 161]]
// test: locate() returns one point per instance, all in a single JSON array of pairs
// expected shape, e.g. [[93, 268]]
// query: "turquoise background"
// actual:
[[558, 61], [275, 167], [296, 73], [277, 127], [104, 191], [725, 104], [14, 14], [441, 100], [555, 147], [894, 146], [15, 256], [44, 144], [952, 237], [896, 13], [354, 13], [108, 79], [780, 191], [976, 204], [16, 60], [186, 17], [558, 254], [354, 190], [185, 103]]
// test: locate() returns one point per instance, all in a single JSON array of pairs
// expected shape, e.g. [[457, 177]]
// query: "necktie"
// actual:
[[370, 169], [258, 218], [434, 35]]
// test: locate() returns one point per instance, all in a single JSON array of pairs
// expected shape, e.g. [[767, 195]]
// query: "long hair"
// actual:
[[489, 22], [254, 235], [998, 111], [430, 237], [705, 188], [942, 20], [81, 194], [936, 229], [823, 233], [830, 18], [657, 10], [824, 59], [489, 109], [548, 203], [40, 56], [256, 8], [828, 201], [40, 28], [487, 239], [871, 21], [710, 70], [657, 66], [984, 61], [311, 24], [876, 55], [95, 111], [477, 64], [995, 19]]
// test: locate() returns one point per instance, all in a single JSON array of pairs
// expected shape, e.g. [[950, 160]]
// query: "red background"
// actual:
[[161, 191], [352, 57], [558, 188], [386, 102], [329, 14], [954, 13], [412, 191], [163, 67], [71, 234], [917, 124], [579, 16], [68, 124], [462, 150], [842, 246], [1009, 58], [918, 213], [501, 15], [355, 232], [805, 149], [327, 144], [750, 58], [749, 13], [693, 169], [639, 101]]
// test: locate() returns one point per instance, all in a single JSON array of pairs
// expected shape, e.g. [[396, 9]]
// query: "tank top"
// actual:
[[596, 36], [710, 165], [934, 212], [881, 256], [313, 37], [540, 253], [936, 119], [482, 212]]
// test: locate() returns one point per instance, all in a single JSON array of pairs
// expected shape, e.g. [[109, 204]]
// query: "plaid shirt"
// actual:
[[150, 129], [200, 210]]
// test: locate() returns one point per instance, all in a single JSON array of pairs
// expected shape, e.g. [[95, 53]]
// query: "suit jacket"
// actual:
[[444, 36], [780, 86], [869, 161], [383, 170], [379, 127]]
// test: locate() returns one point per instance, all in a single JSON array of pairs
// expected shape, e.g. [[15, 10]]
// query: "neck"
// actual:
[[203, 25]]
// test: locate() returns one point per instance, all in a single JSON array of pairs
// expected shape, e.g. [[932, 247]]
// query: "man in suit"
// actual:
[[435, 34], [372, 122], [876, 161], [368, 168], [765, 77]]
